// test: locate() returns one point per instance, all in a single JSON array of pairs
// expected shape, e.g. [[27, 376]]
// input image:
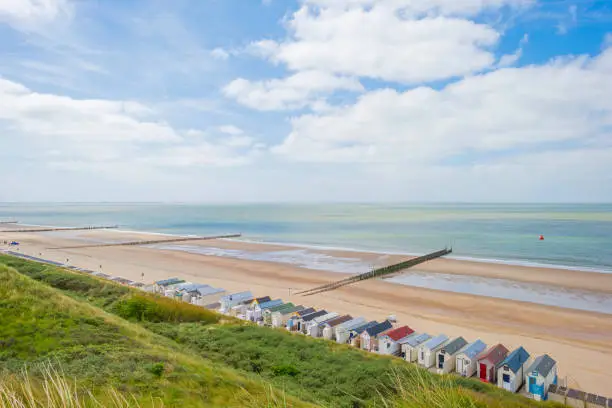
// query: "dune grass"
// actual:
[[304, 369], [99, 350]]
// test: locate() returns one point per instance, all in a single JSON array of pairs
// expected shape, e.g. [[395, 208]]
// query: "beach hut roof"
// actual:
[[313, 315], [379, 328], [338, 320], [415, 340], [474, 349], [542, 365], [290, 310], [436, 341], [324, 318], [516, 359], [239, 296], [263, 299], [169, 281], [271, 303], [281, 307], [361, 328], [209, 291], [454, 346], [191, 287], [305, 312], [213, 306], [399, 333], [356, 322], [495, 355]]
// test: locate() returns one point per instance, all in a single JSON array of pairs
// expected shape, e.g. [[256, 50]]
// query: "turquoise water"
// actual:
[[576, 235]]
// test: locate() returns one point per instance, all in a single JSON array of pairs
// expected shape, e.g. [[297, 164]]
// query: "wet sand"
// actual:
[[579, 341]]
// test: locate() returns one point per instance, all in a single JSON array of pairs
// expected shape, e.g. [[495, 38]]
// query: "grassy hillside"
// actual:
[[311, 370], [39, 324]]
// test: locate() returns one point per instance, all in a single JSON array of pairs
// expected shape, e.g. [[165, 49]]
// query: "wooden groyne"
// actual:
[[375, 273], [150, 242], [9, 222], [63, 229]]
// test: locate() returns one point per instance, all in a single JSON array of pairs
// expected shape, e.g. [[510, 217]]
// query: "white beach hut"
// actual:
[[312, 327], [259, 309], [539, 376], [389, 342], [409, 346], [229, 301], [206, 296], [369, 337], [280, 317], [330, 325], [466, 361], [446, 356], [511, 372], [341, 332], [427, 351]]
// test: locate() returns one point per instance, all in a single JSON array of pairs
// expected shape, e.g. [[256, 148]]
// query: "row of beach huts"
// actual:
[[495, 364], [511, 370]]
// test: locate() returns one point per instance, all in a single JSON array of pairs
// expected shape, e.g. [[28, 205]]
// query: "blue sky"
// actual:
[[310, 100]]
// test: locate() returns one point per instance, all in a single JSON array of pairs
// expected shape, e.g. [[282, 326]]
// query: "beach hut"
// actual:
[[410, 346], [229, 301], [303, 321], [205, 296], [511, 372], [388, 343], [312, 327], [488, 362], [267, 314], [213, 306], [281, 317], [295, 317], [341, 332], [447, 355], [369, 337], [467, 360], [250, 312], [330, 325], [259, 308], [161, 285], [355, 334], [427, 351], [540, 375]]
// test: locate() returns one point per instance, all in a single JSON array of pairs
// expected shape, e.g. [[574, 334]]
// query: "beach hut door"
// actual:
[[534, 388], [483, 371], [440, 360]]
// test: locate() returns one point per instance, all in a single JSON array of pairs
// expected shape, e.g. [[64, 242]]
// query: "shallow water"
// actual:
[[508, 289]]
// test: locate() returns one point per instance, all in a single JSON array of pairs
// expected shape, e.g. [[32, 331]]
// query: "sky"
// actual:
[[306, 101]]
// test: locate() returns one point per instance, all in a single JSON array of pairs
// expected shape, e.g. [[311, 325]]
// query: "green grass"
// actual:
[[147, 329], [39, 324]]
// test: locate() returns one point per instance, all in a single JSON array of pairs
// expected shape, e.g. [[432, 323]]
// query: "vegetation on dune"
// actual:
[[150, 337], [98, 350]]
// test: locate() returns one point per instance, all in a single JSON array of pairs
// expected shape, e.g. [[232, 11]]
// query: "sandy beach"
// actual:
[[580, 341]]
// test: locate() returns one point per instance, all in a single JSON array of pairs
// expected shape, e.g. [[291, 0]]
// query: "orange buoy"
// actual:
[[541, 237]]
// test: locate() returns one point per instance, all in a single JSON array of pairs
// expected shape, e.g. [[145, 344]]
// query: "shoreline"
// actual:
[[333, 248]]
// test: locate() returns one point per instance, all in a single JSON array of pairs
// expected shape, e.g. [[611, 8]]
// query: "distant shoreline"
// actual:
[[324, 247]]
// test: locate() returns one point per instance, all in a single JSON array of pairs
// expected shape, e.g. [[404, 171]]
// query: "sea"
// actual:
[[576, 236]]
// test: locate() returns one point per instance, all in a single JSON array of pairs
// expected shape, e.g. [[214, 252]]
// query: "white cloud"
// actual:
[[385, 40], [511, 59], [220, 53], [31, 14], [73, 133], [295, 91], [231, 130], [565, 100]]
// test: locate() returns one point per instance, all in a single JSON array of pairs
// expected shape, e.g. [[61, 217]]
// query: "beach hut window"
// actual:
[[506, 378]]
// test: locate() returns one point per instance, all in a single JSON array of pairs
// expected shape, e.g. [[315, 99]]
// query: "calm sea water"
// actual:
[[575, 235]]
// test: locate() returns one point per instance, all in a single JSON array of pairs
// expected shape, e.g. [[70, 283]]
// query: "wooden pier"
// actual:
[[63, 229], [150, 242], [375, 273]]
